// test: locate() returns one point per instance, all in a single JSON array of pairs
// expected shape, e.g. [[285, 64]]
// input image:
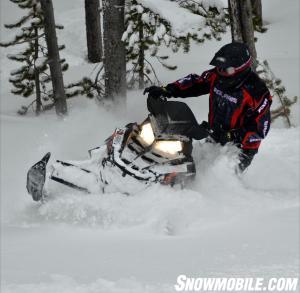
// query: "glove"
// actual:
[[205, 125], [157, 92], [246, 157], [229, 136], [199, 131]]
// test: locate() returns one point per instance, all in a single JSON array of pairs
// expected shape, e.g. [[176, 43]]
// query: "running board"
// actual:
[[69, 184]]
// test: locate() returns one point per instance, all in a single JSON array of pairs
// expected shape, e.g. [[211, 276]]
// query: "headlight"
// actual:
[[147, 134], [171, 147]]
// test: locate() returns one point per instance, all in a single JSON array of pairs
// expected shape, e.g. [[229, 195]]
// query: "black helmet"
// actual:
[[232, 59]]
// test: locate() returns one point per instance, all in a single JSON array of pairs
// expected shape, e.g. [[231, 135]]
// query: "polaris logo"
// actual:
[[185, 79], [263, 105], [266, 124], [225, 96], [254, 139]]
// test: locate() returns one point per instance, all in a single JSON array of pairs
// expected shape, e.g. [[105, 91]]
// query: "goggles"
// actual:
[[231, 71]]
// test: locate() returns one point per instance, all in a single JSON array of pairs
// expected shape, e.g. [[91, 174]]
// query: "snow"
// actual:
[[181, 20], [222, 225], [35, 21], [40, 62]]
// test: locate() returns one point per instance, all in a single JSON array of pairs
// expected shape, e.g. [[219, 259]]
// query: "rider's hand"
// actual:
[[205, 125], [198, 131], [157, 92]]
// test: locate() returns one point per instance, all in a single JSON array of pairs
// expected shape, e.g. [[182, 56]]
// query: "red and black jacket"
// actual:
[[244, 107]]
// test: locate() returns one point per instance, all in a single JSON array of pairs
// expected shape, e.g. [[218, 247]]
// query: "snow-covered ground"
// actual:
[[221, 225]]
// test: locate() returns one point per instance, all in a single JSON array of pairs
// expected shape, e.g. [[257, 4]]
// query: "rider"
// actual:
[[239, 101]]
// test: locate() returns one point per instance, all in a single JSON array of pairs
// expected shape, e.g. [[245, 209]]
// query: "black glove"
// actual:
[[246, 157], [157, 92], [199, 131], [229, 136]]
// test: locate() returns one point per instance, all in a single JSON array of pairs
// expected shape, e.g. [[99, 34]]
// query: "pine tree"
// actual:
[[147, 31], [32, 77], [277, 90]]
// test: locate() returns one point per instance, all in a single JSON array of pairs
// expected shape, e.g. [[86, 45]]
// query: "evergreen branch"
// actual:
[[97, 76], [24, 109], [170, 67], [32, 39], [16, 42], [59, 26], [152, 70], [17, 1], [18, 23], [98, 64], [146, 75], [26, 4]]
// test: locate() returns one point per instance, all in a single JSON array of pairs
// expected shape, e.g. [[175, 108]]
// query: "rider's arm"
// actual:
[[255, 129], [257, 122], [192, 85]]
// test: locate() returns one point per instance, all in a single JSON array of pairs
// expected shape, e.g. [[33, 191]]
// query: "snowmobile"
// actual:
[[156, 151]]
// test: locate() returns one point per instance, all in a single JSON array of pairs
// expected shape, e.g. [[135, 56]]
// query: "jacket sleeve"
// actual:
[[192, 85], [257, 122]]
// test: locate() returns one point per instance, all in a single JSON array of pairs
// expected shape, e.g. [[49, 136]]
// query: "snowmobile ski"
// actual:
[[36, 177]]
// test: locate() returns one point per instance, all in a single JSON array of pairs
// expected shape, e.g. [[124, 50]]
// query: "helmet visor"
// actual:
[[230, 71]]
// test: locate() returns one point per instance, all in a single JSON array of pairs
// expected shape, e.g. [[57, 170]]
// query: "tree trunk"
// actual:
[[242, 24], [235, 20], [141, 59], [247, 26], [93, 30], [257, 11], [53, 56], [114, 51], [38, 100]]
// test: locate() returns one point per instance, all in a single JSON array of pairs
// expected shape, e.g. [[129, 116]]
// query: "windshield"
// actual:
[[172, 117]]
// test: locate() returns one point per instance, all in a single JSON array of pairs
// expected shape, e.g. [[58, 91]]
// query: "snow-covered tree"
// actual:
[[213, 12], [151, 25], [33, 76]]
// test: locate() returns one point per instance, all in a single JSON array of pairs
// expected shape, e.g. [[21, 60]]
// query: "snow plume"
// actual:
[[217, 196]]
